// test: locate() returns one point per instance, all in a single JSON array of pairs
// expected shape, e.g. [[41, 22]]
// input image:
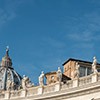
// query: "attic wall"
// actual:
[[51, 78], [69, 68]]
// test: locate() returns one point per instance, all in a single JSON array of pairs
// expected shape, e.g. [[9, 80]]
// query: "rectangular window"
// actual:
[[89, 70], [84, 71]]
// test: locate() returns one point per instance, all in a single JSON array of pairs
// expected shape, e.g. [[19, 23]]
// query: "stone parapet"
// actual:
[[84, 83]]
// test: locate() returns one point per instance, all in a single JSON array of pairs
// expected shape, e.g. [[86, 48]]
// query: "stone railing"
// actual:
[[39, 90], [14, 94], [68, 84], [85, 80], [32, 91], [49, 88]]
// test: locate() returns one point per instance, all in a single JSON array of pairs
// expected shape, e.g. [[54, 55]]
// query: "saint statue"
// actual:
[[26, 83], [8, 85], [94, 65], [76, 72], [41, 79], [59, 74]]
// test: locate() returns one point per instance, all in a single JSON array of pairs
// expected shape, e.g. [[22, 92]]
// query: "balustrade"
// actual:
[[68, 84], [85, 80], [15, 93], [32, 91], [50, 88]]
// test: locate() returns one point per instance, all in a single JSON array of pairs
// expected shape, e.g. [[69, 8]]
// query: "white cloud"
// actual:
[[83, 37], [87, 28], [85, 34], [8, 11], [5, 16]]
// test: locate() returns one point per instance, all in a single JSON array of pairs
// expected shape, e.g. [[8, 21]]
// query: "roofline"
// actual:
[[50, 72], [77, 60]]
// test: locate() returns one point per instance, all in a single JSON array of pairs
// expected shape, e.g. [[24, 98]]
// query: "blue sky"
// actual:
[[42, 34]]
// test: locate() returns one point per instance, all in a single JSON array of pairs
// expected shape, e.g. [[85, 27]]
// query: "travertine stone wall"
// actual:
[[84, 88], [51, 77], [69, 68]]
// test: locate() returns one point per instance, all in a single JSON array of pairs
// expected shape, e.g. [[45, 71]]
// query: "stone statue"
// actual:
[[76, 72], [94, 65], [29, 84], [10, 85], [59, 74], [26, 83], [41, 79]]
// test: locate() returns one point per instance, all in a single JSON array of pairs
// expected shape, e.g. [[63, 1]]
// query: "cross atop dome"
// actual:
[[7, 51]]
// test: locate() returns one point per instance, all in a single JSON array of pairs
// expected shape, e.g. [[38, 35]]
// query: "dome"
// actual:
[[9, 78]]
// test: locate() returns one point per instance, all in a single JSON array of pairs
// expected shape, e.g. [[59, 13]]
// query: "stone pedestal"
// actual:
[[23, 93], [57, 86], [75, 82], [94, 77], [40, 89], [7, 94]]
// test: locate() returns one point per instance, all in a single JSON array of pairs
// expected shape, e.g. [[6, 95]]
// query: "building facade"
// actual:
[[80, 80]]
